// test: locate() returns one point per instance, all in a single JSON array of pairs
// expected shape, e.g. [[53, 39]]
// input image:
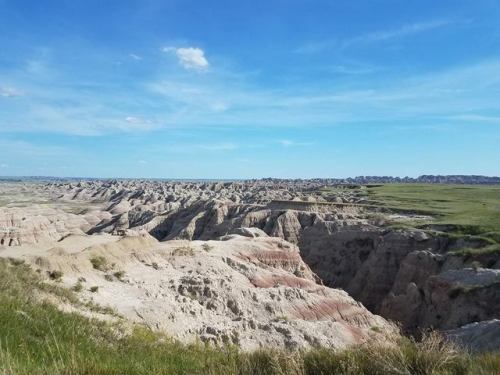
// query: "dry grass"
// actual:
[[183, 251], [99, 263]]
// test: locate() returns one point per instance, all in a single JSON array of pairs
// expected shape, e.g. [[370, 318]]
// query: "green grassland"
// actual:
[[474, 209], [38, 338]]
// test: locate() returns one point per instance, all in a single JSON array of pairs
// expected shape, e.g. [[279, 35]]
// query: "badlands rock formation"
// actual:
[[410, 276], [250, 291], [480, 336], [244, 287]]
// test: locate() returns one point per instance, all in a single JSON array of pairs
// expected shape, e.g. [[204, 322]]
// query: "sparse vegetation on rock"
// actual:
[[55, 275], [99, 263]]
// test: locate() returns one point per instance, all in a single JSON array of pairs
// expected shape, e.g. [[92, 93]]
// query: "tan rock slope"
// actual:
[[246, 290]]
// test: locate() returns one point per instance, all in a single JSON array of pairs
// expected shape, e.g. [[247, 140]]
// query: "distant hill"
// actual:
[[361, 180], [424, 179]]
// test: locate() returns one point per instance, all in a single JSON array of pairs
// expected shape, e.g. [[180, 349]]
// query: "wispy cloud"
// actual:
[[182, 100], [450, 92], [290, 143], [218, 146], [474, 118], [20, 148], [135, 57], [351, 69], [403, 31], [10, 92], [315, 47], [181, 148], [138, 123], [190, 57]]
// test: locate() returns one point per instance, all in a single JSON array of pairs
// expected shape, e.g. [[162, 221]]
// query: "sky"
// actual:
[[249, 89]]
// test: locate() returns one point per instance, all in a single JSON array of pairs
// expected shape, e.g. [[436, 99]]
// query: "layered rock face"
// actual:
[[29, 225], [479, 337], [250, 290], [406, 276], [410, 276]]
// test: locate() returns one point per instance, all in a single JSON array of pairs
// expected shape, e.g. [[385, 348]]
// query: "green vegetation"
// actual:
[[473, 210], [206, 247], [183, 251], [56, 275], [37, 338], [119, 275], [78, 287], [488, 250], [94, 289], [99, 263]]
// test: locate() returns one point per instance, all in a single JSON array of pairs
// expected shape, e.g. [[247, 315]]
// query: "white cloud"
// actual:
[[9, 92], [190, 57], [135, 57], [132, 119], [3, 165]]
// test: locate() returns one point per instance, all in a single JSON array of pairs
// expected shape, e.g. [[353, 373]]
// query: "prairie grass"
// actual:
[[487, 250], [474, 209], [38, 338]]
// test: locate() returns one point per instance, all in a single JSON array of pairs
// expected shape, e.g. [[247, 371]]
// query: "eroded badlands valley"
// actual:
[[291, 264]]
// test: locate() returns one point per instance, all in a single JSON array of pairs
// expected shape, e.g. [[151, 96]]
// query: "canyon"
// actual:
[[291, 264]]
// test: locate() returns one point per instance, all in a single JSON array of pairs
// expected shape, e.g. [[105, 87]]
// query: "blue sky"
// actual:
[[244, 89]]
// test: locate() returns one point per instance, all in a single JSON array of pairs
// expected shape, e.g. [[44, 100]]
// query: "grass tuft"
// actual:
[[119, 275], [55, 275], [99, 263], [183, 251]]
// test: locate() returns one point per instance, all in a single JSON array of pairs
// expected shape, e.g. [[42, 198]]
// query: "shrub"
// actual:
[[476, 265], [183, 251], [94, 289], [99, 263], [77, 287], [55, 275], [206, 247], [16, 261], [108, 277], [119, 275]]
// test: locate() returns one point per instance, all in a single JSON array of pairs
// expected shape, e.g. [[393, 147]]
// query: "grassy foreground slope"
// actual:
[[38, 338]]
